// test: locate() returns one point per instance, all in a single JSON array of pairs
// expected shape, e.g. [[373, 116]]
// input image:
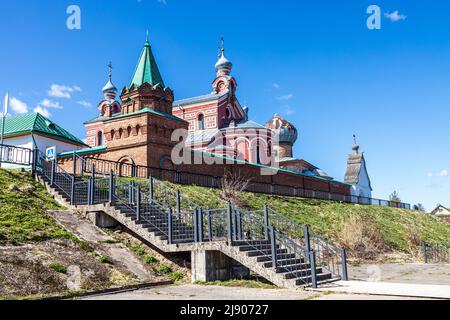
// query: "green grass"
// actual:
[[104, 260], [149, 259], [327, 218], [23, 216], [238, 283], [165, 268], [58, 268]]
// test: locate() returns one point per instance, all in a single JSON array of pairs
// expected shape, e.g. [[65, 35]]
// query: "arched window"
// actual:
[[228, 113], [201, 122], [113, 133], [120, 133], [138, 129], [99, 138], [128, 131]]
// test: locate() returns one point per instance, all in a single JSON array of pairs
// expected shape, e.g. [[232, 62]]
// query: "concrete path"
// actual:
[[198, 292], [118, 253], [413, 273], [389, 289]]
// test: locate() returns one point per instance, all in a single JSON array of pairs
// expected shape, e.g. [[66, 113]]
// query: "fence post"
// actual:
[[34, 163], [138, 202], [170, 226], [89, 191], [72, 191], [178, 202], [210, 235], [111, 187], [424, 252], [312, 261], [200, 224], [230, 222], [92, 184], [235, 223], [52, 176], [239, 225], [151, 192], [273, 242], [130, 192], [266, 220], [307, 240], [344, 264], [195, 225]]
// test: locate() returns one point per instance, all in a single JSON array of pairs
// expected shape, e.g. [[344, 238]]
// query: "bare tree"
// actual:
[[231, 185]]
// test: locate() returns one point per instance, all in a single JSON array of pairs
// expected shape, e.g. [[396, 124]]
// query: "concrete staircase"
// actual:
[[220, 241]]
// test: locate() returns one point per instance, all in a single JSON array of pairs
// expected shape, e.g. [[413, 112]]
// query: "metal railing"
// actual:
[[436, 252], [286, 246], [16, 155]]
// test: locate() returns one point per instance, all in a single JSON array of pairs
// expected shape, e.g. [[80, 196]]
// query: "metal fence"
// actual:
[[104, 167], [436, 252], [15, 155]]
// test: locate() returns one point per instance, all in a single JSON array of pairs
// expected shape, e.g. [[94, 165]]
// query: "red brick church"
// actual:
[[138, 128]]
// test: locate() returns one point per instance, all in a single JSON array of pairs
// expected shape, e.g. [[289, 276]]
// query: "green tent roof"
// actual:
[[37, 123], [147, 69]]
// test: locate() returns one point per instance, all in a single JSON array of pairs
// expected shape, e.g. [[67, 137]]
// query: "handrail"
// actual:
[[188, 178]]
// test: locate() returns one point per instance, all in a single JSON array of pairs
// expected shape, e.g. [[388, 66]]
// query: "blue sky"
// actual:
[[314, 62]]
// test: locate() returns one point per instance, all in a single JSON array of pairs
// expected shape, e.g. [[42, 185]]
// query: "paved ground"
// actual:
[[431, 274], [198, 292], [381, 282], [390, 289], [117, 252]]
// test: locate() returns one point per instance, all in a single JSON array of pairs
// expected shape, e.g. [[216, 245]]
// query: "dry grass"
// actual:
[[363, 239]]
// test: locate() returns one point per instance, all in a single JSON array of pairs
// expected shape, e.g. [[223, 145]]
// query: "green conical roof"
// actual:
[[147, 69]]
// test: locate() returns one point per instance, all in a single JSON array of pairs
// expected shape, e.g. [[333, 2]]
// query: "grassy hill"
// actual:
[[366, 230], [23, 203]]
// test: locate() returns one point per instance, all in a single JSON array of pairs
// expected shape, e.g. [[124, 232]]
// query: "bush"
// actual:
[[150, 259], [176, 276], [138, 250], [58, 267], [165, 268]]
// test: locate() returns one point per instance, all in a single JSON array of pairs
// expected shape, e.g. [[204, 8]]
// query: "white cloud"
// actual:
[[276, 86], [288, 110], [18, 106], [85, 104], [50, 104], [61, 91], [43, 111], [164, 2], [286, 97], [395, 16], [442, 173]]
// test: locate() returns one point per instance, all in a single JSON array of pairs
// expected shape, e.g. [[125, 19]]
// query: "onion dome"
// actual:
[[223, 65], [285, 130], [110, 90]]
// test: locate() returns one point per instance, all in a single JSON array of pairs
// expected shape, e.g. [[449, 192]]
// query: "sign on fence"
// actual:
[[50, 153]]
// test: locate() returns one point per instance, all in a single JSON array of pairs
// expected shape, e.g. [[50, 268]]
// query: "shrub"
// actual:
[[231, 186], [165, 268], [176, 276], [138, 250], [150, 259]]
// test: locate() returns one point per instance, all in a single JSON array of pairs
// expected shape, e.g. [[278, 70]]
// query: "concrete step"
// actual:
[[300, 274], [323, 277], [258, 253], [268, 258], [294, 267], [287, 261], [256, 247], [250, 242]]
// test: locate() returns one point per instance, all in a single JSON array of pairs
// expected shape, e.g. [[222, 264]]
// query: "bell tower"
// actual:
[[147, 89], [224, 82]]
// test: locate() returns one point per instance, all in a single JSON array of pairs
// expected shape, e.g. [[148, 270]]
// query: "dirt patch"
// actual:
[[29, 270]]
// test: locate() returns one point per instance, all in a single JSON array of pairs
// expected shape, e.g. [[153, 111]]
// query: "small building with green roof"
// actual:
[[34, 131]]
